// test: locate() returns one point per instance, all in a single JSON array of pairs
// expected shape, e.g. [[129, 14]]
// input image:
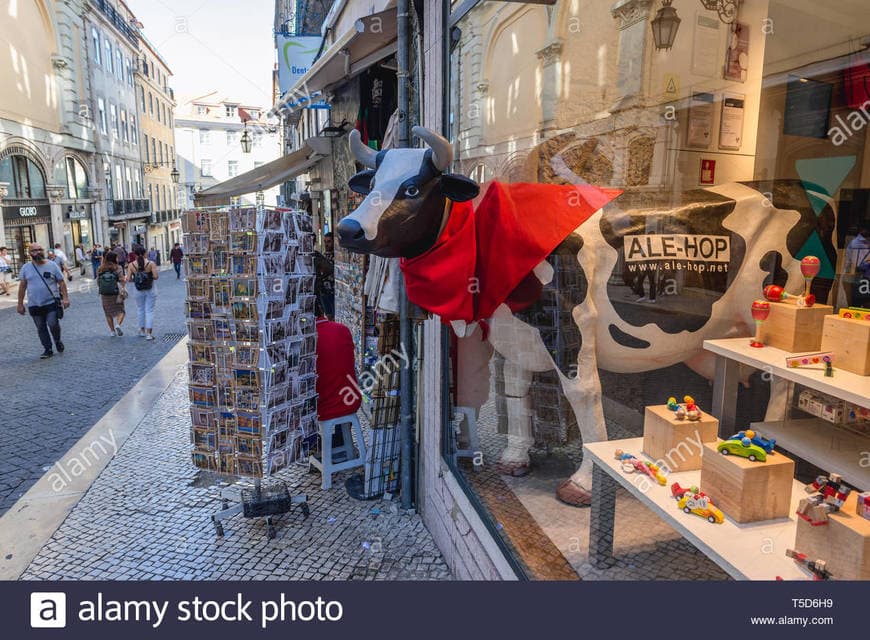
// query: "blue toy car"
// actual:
[[757, 440]]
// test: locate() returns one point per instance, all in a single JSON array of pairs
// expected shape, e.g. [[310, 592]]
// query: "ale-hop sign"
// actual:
[[677, 251]]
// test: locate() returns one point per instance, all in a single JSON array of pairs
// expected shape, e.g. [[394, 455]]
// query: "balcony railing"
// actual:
[[121, 207], [117, 20]]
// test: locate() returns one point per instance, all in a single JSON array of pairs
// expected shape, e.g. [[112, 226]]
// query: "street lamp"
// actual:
[[665, 25], [246, 140]]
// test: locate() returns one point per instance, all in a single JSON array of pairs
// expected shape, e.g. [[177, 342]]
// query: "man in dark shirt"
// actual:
[[176, 255], [121, 252]]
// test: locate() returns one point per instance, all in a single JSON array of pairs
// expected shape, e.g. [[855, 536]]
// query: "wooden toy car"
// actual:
[[701, 505], [765, 443], [742, 446]]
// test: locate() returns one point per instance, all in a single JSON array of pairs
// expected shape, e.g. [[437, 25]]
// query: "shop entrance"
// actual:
[[19, 239]]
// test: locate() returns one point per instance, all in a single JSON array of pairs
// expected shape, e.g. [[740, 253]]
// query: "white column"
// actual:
[[55, 194], [633, 16], [551, 89]]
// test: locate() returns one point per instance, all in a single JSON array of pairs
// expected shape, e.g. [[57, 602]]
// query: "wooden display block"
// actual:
[[795, 329], [850, 341], [676, 442], [747, 491], [844, 543]]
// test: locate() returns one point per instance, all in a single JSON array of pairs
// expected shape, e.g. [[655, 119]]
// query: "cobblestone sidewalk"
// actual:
[[147, 517]]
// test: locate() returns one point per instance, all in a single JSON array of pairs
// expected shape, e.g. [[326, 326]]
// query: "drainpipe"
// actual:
[[404, 324]]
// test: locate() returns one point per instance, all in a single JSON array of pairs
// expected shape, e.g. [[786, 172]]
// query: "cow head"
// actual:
[[406, 194]]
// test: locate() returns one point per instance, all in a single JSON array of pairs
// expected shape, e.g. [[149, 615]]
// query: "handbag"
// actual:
[[58, 302]]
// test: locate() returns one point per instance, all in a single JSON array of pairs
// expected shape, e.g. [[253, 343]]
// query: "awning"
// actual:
[[263, 177], [372, 39]]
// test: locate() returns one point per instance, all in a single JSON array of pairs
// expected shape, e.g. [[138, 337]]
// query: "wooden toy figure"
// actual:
[[760, 312], [692, 411], [810, 267], [829, 493]]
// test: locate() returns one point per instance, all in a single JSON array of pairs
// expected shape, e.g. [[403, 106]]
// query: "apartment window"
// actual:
[[205, 167], [157, 102], [201, 110], [145, 139], [161, 152], [137, 184], [119, 183], [134, 132], [113, 118], [153, 150], [163, 106], [255, 115], [157, 194], [125, 134], [258, 139], [165, 199], [232, 138], [142, 96], [204, 136], [231, 110], [150, 104], [101, 107], [129, 66], [119, 63], [232, 168], [129, 183], [108, 52], [95, 38]]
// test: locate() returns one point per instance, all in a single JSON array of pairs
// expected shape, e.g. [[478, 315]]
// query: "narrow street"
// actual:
[[49, 404]]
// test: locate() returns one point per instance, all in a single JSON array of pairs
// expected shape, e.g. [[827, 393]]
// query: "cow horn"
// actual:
[[442, 151], [364, 154]]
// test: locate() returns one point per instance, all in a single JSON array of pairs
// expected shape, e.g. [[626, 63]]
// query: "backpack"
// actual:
[[142, 280], [107, 283]]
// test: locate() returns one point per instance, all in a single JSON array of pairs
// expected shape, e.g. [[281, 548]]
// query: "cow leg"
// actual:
[[515, 458]]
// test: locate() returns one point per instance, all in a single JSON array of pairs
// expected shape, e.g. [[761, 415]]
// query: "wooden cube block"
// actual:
[[747, 491], [795, 329], [844, 543], [850, 341], [678, 443]]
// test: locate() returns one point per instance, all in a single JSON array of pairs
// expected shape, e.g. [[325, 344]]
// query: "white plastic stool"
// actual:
[[340, 458]]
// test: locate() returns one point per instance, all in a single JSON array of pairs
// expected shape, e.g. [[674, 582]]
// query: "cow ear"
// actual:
[[361, 182], [458, 188]]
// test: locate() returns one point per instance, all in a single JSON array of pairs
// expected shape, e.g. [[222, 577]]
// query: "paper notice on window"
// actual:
[[700, 126], [705, 50], [731, 127]]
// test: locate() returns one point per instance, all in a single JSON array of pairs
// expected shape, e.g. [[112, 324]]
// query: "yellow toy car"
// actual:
[[700, 505]]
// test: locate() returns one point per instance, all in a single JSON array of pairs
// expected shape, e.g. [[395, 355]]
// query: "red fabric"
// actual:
[[485, 256], [337, 388]]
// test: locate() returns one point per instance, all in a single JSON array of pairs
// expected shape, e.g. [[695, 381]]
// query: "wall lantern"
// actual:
[[246, 140], [174, 175], [665, 25]]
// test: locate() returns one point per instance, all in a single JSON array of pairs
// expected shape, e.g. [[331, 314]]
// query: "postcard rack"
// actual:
[[252, 342]]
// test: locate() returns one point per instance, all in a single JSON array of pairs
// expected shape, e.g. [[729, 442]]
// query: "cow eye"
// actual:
[[412, 192]]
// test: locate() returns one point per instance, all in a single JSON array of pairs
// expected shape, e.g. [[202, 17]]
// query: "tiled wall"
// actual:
[[467, 546]]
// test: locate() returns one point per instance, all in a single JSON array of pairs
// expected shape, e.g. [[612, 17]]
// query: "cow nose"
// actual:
[[349, 232]]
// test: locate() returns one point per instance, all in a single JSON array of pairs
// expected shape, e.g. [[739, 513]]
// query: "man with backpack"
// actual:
[[142, 273]]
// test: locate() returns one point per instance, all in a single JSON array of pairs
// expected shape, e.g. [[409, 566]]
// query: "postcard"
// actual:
[[247, 331], [226, 424], [249, 467], [244, 287], [203, 460], [245, 310], [243, 241], [198, 310], [272, 242], [246, 378], [198, 265], [226, 445], [246, 354], [202, 396], [222, 329], [249, 446], [227, 463], [203, 418], [200, 352], [248, 399], [218, 225], [197, 288], [272, 264], [200, 330], [243, 219], [201, 374], [243, 264], [248, 423], [269, 220], [194, 222]]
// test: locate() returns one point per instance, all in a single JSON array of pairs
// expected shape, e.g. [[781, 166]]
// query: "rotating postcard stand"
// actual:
[[252, 347]]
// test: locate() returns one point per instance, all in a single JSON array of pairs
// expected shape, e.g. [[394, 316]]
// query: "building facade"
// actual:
[[49, 190], [156, 106], [113, 47], [208, 134]]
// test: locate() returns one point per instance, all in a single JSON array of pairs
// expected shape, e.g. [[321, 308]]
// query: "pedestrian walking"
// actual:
[[112, 289], [96, 256], [80, 258], [5, 272], [142, 273], [152, 256], [47, 297], [60, 261], [176, 255], [121, 253]]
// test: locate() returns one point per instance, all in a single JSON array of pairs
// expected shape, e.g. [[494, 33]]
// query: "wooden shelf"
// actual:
[[845, 385], [752, 551], [822, 444]]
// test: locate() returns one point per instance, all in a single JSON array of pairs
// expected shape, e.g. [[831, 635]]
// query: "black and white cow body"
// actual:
[[406, 208]]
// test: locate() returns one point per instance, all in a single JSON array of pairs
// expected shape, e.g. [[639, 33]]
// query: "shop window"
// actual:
[[76, 179], [753, 142], [25, 178]]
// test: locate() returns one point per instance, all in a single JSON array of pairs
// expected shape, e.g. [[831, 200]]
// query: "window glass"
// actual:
[[101, 107], [95, 39], [113, 118], [35, 179], [204, 136], [145, 147], [232, 168], [205, 167], [76, 179], [108, 52], [669, 175], [25, 178]]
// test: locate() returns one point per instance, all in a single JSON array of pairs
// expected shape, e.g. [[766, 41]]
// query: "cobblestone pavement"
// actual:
[[48, 404], [147, 517]]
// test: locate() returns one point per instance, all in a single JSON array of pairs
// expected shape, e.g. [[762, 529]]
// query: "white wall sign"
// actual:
[[705, 50], [731, 127], [295, 55]]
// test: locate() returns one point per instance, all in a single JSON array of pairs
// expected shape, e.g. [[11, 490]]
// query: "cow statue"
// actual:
[[724, 243]]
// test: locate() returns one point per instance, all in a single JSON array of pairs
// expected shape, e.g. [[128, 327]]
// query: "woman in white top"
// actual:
[[5, 272], [142, 273]]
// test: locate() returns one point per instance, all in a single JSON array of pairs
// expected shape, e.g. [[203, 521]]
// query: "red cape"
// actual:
[[484, 254]]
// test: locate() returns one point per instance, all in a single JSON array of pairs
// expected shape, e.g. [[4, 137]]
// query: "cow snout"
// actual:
[[350, 233]]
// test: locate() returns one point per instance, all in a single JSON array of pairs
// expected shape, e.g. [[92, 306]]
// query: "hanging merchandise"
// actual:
[[250, 309]]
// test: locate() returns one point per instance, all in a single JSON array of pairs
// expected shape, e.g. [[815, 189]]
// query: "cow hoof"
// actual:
[[513, 469], [573, 495]]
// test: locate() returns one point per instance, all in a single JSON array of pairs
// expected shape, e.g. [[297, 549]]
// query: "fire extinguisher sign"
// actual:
[[708, 171]]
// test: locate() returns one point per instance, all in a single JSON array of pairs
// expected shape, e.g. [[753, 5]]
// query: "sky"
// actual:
[[213, 45]]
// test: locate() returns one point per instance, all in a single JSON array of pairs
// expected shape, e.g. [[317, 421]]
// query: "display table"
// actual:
[[754, 551], [734, 351]]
